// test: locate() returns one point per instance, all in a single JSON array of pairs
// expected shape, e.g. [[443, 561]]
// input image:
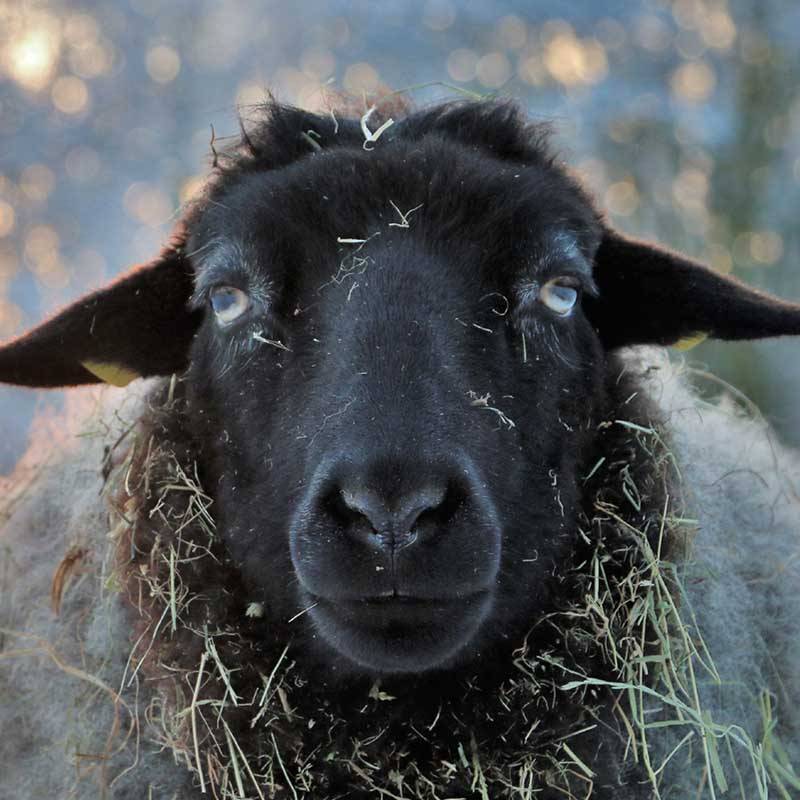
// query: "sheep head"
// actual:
[[396, 350]]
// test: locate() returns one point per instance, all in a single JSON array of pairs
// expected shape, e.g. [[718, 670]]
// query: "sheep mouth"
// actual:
[[368, 611], [398, 633]]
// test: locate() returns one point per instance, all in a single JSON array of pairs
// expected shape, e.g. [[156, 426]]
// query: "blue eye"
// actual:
[[559, 295], [228, 303]]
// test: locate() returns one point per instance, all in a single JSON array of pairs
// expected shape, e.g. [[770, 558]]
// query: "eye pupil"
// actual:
[[228, 303]]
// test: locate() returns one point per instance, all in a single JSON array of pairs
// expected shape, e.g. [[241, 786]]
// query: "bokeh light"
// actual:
[[70, 94], [462, 65], [693, 82], [493, 70], [163, 63], [32, 50], [572, 60], [511, 32], [90, 54], [36, 182], [361, 77], [148, 204]]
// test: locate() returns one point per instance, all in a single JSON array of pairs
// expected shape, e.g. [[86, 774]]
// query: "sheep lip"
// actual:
[[400, 600], [404, 610], [404, 599]]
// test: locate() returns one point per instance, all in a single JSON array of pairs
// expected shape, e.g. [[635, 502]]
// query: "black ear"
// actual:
[[649, 295], [137, 326]]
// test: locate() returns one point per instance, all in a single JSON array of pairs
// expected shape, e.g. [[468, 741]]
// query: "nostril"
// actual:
[[413, 506], [362, 516], [366, 505], [440, 514], [344, 507]]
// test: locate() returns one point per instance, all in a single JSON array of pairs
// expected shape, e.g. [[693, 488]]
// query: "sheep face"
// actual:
[[395, 402]]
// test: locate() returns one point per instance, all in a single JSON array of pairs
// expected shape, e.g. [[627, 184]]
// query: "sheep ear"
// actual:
[[649, 295], [139, 325]]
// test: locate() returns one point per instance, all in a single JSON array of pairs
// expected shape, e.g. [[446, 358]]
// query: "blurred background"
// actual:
[[682, 115]]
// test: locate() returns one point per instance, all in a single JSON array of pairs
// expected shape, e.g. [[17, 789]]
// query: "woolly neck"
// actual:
[[245, 701]]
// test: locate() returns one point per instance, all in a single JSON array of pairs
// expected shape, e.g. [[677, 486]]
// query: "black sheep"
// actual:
[[408, 474]]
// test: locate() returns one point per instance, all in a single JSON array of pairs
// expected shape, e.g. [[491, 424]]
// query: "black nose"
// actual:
[[394, 517]]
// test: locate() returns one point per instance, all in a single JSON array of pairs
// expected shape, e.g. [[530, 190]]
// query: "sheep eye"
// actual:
[[560, 295], [228, 303]]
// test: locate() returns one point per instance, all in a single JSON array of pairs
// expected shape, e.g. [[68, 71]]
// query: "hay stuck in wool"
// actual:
[[226, 695]]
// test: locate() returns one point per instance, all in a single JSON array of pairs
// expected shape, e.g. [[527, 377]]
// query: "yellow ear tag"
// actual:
[[688, 342], [115, 374]]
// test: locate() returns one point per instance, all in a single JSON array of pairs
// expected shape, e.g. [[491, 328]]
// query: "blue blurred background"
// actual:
[[682, 115]]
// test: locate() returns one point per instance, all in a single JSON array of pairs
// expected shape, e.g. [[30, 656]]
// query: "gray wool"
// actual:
[[56, 719], [741, 580]]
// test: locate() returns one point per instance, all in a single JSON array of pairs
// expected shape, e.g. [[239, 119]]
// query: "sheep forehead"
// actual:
[[482, 171], [273, 227]]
